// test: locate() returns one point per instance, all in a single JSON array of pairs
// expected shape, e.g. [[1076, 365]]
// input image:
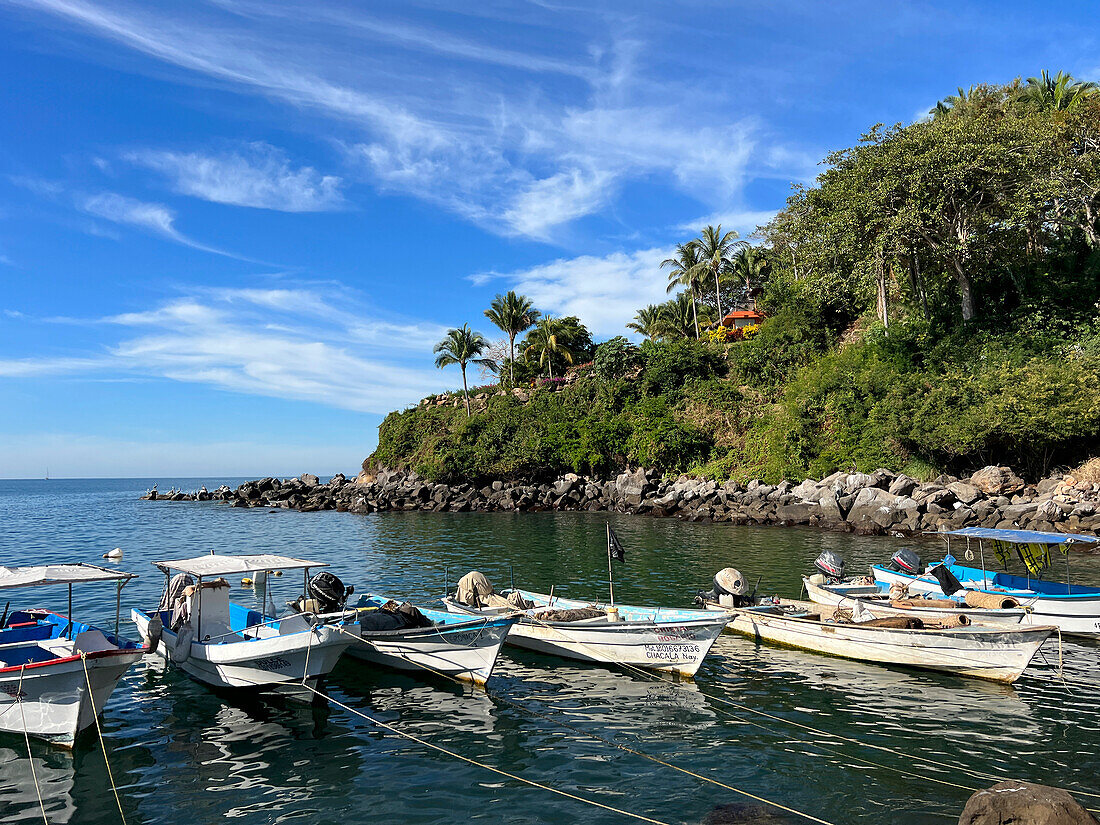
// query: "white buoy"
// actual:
[[113, 554]]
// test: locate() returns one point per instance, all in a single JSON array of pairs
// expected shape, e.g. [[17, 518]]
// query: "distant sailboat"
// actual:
[[47, 474]]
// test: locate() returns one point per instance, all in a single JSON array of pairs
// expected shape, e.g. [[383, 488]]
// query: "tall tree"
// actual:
[[715, 250], [1059, 93], [684, 271], [748, 265], [462, 346], [549, 338], [647, 321], [512, 314], [679, 316]]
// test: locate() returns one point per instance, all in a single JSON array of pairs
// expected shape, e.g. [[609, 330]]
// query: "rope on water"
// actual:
[[27, 737], [525, 709], [99, 730], [498, 771], [850, 740]]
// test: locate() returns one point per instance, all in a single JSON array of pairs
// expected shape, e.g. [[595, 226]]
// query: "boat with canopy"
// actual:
[[223, 644], [56, 674], [1074, 608]]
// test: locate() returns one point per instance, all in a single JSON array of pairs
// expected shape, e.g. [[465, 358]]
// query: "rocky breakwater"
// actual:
[[866, 503]]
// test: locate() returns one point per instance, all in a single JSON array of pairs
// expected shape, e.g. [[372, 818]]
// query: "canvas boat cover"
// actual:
[[1018, 536], [39, 575], [215, 565]]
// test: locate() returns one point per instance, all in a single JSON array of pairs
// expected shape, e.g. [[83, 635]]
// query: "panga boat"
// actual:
[[226, 645], [877, 600], [56, 674], [429, 641], [663, 639], [998, 653], [1074, 608]]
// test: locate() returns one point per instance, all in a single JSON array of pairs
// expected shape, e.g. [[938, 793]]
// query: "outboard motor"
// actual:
[[729, 589], [906, 561], [831, 564], [327, 593]]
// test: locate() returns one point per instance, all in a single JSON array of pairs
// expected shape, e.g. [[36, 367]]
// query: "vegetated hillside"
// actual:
[[932, 305]]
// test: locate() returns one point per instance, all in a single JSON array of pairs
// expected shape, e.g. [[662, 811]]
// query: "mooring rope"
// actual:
[[882, 748], [523, 708], [99, 730], [27, 737], [453, 754]]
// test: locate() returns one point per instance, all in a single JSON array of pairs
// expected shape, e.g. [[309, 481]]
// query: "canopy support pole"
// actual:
[[118, 610], [981, 552], [70, 614], [1069, 589]]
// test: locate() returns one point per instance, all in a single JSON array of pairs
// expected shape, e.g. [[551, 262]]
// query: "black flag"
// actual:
[[614, 549]]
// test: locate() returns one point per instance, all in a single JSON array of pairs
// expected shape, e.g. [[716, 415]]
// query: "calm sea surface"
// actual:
[[182, 754]]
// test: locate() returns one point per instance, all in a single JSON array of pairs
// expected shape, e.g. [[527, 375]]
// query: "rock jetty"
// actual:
[[865, 503]]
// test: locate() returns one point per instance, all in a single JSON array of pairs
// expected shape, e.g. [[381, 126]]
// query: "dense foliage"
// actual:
[[932, 303]]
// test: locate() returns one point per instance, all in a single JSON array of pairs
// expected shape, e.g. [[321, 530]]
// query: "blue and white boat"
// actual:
[[227, 645], [1074, 608], [442, 643], [56, 674], [669, 640]]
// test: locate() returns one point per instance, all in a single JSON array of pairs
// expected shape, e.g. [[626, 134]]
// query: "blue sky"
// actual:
[[232, 230]]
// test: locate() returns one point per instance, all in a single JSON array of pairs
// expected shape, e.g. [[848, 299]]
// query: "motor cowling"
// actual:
[[906, 561], [328, 592], [729, 590], [831, 564]]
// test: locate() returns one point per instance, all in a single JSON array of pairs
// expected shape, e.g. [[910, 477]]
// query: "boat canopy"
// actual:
[[1018, 536], [215, 565], [43, 574]]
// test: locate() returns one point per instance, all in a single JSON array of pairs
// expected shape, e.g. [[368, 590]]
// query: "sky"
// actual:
[[231, 231]]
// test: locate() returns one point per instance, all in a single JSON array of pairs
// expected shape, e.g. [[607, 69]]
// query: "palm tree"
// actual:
[[549, 338], [512, 314], [685, 271], [680, 315], [462, 346], [748, 265], [648, 321], [953, 102], [715, 250], [1059, 93]]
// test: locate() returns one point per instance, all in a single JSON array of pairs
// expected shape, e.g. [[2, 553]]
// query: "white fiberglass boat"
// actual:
[[874, 599], [669, 640], [1073, 608], [227, 645], [996, 652], [56, 674], [437, 642]]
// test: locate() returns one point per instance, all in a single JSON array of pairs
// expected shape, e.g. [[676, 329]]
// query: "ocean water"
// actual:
[[182, 753]]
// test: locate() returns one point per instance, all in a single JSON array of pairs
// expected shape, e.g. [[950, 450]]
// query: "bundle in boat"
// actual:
[[947, 603], [994, 601], [573, 615], [895, 622]]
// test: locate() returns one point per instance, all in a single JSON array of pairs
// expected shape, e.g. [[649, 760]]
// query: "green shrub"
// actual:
[[615, 358]]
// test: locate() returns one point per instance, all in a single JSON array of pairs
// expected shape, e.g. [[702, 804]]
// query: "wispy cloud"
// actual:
[[155, 218], [259, 176], [519, 159], [283, 343], [603, 291], [744, 222]]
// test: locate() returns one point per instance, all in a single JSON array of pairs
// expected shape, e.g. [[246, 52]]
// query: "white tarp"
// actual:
[[214, 565], [39, 575]]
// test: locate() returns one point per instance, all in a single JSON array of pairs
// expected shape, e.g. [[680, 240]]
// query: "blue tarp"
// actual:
[[1019, 536]]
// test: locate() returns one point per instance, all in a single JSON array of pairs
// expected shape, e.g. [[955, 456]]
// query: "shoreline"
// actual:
[[878, 503]]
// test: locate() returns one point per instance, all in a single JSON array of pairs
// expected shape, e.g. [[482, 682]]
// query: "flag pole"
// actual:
[[610, 577]]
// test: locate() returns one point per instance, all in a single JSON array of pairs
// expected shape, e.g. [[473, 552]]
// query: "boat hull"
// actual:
[[676, 646], [53, 702], [993, 653], [881, 609], [275, 663], [1077, 615], [467, 651]]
